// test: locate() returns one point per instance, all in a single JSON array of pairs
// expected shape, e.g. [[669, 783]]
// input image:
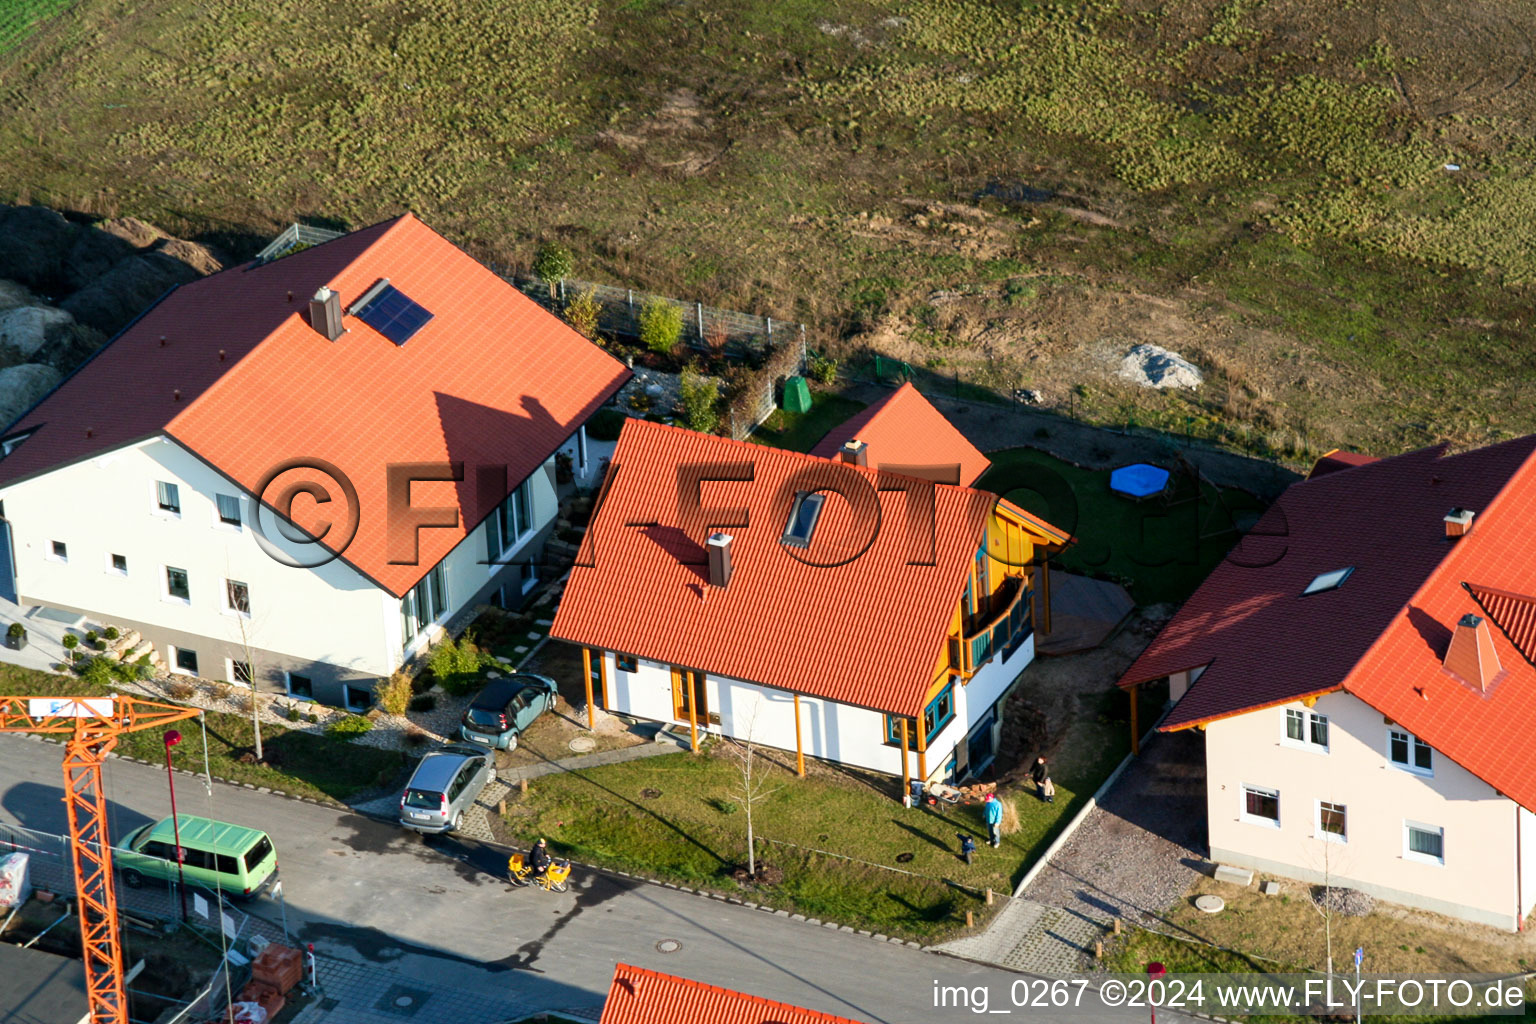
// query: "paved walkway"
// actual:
[[44, 649], [1032, 937]]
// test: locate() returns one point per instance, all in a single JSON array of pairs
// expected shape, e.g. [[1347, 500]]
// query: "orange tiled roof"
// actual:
[[1338, 460], [867, 632], [639, 996], [904, 429], [1382, 635], [244, 382]]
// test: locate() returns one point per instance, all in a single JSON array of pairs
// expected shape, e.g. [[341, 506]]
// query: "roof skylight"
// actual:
[[802, 519], [1328, 581], [391, 312]]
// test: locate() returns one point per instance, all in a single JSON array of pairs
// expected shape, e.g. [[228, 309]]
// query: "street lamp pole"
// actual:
[[173, 737]]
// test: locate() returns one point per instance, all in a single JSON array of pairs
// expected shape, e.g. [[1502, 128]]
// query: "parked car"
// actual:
[[500, 712], [233, 859], [445, 783]]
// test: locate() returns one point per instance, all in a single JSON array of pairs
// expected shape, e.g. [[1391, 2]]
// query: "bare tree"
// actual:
[[244, 621], [1328, 856], [752, 785]]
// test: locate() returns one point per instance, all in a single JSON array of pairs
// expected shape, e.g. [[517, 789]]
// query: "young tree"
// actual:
[[752, 783], [582, 313], [246, 628], [700, 395], [553, 263], [661, 325]]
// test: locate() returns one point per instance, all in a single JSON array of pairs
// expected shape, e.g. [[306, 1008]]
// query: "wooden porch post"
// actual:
[[906, 782], [693, 710], [799, 750], [1045, 598], [586, 678], [922, 756], [1135, 692]]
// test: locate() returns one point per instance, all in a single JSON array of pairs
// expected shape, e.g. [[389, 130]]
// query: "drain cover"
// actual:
[[1209, 903], [582, 744], [668, 946], [402, 1001]]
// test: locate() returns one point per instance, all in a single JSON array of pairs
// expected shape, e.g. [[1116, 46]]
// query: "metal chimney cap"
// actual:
[[1470, 621], [324, 293], [719, 538]]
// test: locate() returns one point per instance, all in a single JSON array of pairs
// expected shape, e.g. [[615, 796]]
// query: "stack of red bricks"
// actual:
[[273, 973]]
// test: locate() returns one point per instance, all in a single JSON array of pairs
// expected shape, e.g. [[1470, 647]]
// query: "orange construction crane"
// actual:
[[93, 725]]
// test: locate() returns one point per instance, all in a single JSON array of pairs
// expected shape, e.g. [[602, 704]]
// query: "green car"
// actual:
[[233, 859]]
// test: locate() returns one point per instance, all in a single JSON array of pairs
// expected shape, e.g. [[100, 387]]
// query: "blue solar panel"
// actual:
[[394, 315]]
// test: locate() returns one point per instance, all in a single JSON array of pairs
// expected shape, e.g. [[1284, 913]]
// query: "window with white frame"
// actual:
[[117, 564], [1261, 806], [184, 661], [1331, 821], [1306, 728], [240, 672], [228, 509], [510, 523], [168, 496], [1424, 843], [177, 586], [237, 597], [60, 552], [1408, 752]]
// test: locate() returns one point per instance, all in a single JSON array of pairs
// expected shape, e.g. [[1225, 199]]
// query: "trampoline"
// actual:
[[1139, 481]]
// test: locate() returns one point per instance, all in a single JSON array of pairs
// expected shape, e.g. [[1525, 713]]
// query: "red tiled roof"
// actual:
[[492, 379], [903, 429], [639, 996], [1336, 460], [1382, 636], [867, 632]]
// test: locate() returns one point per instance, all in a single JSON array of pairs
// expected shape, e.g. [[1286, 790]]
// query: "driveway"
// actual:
[[437, 917]]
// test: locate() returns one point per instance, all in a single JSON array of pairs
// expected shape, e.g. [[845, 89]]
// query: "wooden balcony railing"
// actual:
[[1009, 621]]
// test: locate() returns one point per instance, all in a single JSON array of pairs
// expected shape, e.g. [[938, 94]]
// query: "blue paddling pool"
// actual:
[[1139, 480]]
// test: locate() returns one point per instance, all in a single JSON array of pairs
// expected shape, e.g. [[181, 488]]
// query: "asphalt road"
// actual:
[[438, 910]]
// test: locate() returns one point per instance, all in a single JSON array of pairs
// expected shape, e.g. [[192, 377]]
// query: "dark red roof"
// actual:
[[903, 429], [639, 996], [245, 383], [1336, 460], [1383, 634], [866, 632]]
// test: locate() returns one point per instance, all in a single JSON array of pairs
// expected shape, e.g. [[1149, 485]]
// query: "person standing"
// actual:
[[1041, 776], [992, 813]]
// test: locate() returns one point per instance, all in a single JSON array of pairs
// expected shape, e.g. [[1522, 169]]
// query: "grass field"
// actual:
[[799, 431], [1165, 549], [1330, 208], [304, 764], [20, 18]]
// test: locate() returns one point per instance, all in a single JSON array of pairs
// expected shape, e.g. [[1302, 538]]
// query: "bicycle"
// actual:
[[552, 880]]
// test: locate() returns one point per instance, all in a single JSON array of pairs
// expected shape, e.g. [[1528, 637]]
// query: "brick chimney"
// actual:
[[719, 547], [855, 453], [325, 313], [1458, 523], [1471, 656]]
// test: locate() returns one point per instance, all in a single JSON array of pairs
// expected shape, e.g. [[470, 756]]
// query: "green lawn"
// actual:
[[799, 431], [1165, 549], [20, 18], [306, 764]]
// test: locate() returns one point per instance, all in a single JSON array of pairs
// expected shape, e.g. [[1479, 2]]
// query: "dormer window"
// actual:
[[1328, 581], [802, 519]]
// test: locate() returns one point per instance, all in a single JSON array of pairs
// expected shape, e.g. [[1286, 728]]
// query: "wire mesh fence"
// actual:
[[295, 237]]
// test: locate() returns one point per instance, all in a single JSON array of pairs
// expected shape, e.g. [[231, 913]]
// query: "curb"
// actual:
[[1082, 815]]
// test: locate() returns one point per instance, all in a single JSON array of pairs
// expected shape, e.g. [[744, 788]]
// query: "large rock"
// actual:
[[13, 295], [21, 386], [94, 253], [33, 242], [27, 329], [125, 291], [1153, 366]]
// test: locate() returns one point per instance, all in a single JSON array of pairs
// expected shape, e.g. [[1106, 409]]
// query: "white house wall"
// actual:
[[1477, 880], [108, 505], [1527, 828]]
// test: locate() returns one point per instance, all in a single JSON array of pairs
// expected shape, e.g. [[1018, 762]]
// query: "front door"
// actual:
[[688, 690]]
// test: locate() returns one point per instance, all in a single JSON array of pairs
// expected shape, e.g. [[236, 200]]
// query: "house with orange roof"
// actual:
[[867, 608], [294, 473], [640, 996], [1363, 669]]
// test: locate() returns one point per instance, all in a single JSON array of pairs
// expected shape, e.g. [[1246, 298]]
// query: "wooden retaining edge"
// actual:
[[1082, 815]]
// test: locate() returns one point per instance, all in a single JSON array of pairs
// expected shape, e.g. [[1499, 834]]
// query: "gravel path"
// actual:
[[1142, 848]]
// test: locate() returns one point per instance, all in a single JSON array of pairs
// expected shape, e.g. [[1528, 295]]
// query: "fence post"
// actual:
[[698, 312], [631, 295]]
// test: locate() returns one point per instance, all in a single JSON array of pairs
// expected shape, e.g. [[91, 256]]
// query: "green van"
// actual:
[[239, 861]]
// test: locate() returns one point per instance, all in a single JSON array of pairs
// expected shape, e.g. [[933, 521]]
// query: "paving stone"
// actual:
[[830, 924], [1234, 875]]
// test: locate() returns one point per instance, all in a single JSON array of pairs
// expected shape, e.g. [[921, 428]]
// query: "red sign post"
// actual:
[[1155, 972]]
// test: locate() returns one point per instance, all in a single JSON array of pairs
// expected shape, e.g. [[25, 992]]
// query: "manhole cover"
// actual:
[[405, 1001], [649, 793], [903, 858], [668, 946], [582, 744], [402, 1001], [1209, 903]]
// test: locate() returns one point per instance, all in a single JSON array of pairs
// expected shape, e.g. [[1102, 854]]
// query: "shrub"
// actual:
[[1010, 823], [700, 395], [605, 426], [97, 671], [348, 727], [245, 703], [822, 369], [553, 263], [394, 693], [311, 718], [456, 664], [639, 401], [219, 690], [180, 689], [293, 714], [71, 641], [90, 636], [582, 313], [661, 325], [99, 644], [16, 629], [140, 670], [564, 471], [111, 633], [423, 702]]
